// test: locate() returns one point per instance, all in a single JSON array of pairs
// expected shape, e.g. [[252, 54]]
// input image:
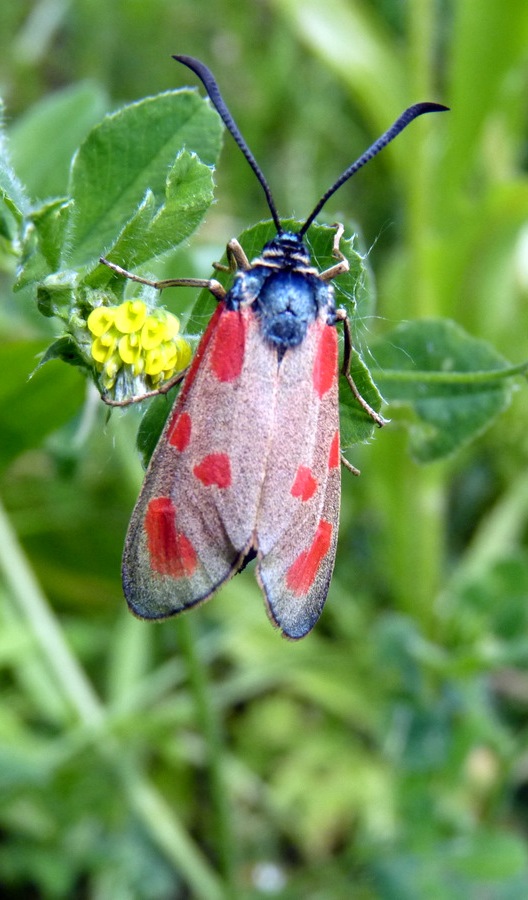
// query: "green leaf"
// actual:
[[58, 296], [57, 123], [157, 227], [455, 384], [127, 155], [66, 349], [42, 244], [12, 193], [356, 424]]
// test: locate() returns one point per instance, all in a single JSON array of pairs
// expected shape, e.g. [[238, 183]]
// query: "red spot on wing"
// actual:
[[334, 455], [227, 355], [214, 469], [171, 553], [180, 431], [305, 485], [200, 352], [301, 574], [325, 364]]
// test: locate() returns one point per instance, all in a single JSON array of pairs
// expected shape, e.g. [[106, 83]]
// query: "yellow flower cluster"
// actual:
[[146, 341]]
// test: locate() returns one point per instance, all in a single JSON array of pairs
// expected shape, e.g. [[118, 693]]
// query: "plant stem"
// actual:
[[209, 722], [415, 499]]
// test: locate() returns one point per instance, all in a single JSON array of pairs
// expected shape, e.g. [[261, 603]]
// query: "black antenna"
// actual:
[[209, 82], [406, 117]]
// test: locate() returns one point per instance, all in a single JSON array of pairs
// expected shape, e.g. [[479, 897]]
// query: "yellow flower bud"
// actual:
[[172, 326], [154, 363], [170, 356], [184, 353], [130, 316], [133, 342], [103, 347], [110, 370], [129, 349], [100, 320], [152, 333]]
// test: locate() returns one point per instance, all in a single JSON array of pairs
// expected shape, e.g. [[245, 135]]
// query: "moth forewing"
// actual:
[[249, 460]]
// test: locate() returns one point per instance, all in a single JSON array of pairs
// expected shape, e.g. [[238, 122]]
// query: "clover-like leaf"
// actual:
[[455, 384]]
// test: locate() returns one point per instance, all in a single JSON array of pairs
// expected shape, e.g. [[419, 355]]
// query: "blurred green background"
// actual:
[[386, 756]]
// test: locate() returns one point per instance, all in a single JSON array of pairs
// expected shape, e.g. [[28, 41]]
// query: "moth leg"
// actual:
[[341, 267], [163, 389], [348, 465], [216, 289], [236, 258], [347, 358]]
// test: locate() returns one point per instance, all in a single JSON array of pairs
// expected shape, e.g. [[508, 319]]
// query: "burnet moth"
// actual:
[[248, 464]]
